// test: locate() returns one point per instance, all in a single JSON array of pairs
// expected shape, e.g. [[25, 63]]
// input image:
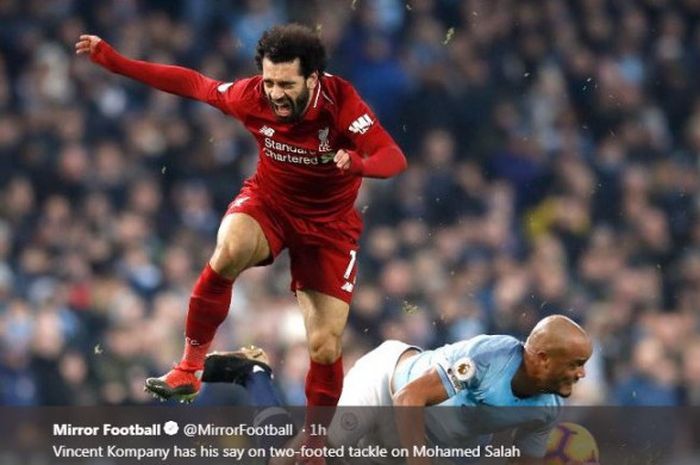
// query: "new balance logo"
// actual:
[[361, 125], [347, 287], [267, 131]]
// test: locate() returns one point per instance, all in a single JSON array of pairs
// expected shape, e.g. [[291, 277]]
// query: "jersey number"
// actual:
[[348, 270]]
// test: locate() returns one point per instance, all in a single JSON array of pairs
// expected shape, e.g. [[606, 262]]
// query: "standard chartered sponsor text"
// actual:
[[296, 159], [281, 146], [243, 429]]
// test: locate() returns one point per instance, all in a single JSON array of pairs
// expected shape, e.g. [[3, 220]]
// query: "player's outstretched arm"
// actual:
[[173, 79], [421, 392]]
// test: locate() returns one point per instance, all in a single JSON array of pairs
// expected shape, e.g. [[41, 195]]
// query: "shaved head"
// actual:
[[554, 334], [555, 353]]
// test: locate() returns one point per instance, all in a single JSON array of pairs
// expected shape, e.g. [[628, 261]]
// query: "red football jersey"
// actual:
[[296, 167]]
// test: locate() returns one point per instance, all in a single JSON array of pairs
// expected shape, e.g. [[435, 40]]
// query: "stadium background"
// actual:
[[553, 167]]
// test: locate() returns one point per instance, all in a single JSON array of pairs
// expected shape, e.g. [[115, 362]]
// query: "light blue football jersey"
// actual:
[[477, 375]]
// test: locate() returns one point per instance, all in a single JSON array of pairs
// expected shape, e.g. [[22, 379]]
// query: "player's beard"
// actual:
[[296, 106]]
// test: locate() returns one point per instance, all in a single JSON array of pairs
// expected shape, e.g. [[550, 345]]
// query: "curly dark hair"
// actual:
[[284, 43]]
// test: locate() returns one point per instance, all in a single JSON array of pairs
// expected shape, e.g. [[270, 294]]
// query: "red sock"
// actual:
[[209, 304], [324, 383]]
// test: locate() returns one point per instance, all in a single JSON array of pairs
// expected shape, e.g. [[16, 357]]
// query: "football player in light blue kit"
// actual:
[[484, 372]]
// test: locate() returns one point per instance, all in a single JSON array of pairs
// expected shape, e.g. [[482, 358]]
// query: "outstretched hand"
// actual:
[[87, 44]]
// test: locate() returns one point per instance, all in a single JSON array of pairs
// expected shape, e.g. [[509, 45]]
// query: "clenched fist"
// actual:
[[348, 161]]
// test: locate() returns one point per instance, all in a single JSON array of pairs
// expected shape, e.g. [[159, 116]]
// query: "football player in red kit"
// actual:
[[317, 139]]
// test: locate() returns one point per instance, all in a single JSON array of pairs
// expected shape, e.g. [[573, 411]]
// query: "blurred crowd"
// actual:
[[553, 168]]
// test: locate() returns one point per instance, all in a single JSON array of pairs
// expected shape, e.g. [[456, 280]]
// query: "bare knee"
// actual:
[[324, 346], [231, 257], [325, 318], [240, 244]]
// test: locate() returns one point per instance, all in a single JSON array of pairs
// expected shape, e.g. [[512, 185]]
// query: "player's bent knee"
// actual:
[[324, 347], [325, 356], [240, 244], [232, 256]]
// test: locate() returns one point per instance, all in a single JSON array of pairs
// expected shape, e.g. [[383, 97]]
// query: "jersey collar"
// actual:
[[316, 102]]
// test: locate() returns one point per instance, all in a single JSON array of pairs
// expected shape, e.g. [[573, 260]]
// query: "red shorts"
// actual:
[[323, 255]]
